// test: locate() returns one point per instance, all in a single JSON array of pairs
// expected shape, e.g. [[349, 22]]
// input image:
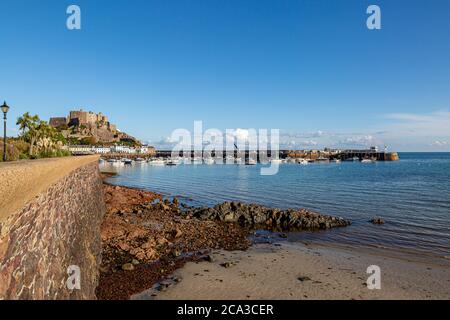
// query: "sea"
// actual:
[[412, 196]]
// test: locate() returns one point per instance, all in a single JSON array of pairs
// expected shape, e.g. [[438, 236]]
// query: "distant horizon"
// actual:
[[312, 69], [168, 145]]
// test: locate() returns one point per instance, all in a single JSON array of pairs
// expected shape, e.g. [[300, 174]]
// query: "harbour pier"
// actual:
[[343, 155]]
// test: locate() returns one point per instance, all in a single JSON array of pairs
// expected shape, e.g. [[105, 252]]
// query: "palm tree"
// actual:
[[29, 125], [47, 132]]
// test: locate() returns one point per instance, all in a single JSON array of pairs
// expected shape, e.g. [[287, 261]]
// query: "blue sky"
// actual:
[[308, 67]]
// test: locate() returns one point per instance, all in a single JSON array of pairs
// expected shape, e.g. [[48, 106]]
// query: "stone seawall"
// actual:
[[55, 226]]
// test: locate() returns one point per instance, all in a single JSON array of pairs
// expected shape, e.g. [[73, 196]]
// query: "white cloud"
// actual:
[[427, 124], [399, 131], [364, 140], [417, 131], [439, 143], [322, 139], [310, 143], [241, 134]]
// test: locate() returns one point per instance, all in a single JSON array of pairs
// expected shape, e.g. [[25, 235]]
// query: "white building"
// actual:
[[122, 149], [142, 149], [84, 149], [81, 149], [102, 150]]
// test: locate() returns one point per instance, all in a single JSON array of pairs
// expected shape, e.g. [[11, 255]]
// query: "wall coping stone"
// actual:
[[21, 181]]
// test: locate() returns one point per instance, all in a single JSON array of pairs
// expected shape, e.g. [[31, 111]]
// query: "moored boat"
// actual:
[[127, 161], [209, 161], [229, 159], [156, 162]]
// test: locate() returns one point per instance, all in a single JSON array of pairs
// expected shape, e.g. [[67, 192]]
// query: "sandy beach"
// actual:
[[151, 250], [299, 271]]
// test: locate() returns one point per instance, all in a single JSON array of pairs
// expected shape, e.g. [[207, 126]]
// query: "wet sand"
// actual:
[[298, 271]]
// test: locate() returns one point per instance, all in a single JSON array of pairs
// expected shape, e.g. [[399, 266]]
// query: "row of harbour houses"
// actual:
[[85, 149]]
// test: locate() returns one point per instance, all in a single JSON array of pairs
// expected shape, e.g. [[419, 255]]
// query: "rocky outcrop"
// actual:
[[377, 220], [256, 216], [145, 238], [139, 225]]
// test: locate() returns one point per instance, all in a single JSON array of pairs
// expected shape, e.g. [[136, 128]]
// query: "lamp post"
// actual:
[[5, 109]]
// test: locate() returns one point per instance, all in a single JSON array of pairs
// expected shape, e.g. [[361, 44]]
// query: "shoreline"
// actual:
[[295, 271], [175, 268]]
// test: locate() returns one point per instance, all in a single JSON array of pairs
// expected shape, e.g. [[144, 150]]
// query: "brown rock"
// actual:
[[176, 233], [123, 246], [176, 253], [128, 267], [377, 220]]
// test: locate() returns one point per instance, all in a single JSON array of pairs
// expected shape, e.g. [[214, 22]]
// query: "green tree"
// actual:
[[29, 126]]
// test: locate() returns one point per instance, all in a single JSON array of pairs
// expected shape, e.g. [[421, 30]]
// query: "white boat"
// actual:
[[111, 160], [209, 161], [322, 159], [229, 160], [335, 160], [197, 160], [251, 162], [187, 160], [276, 161], [157, 162], [367, 161], [171, 163], [352, 159], [139, 160], [303, 162]]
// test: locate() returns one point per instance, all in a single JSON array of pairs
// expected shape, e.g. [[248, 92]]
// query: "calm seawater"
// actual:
[[412, 195]]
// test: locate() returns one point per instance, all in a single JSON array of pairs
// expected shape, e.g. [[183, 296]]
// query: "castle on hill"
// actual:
[[83, 118], [82, 124]]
